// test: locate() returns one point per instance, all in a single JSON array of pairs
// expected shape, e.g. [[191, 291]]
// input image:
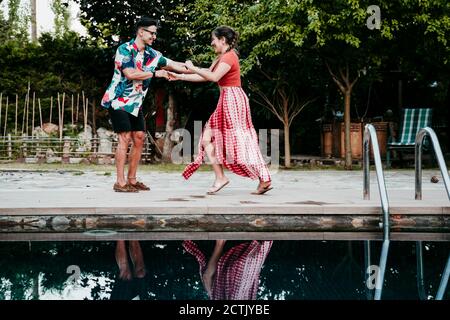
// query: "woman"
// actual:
[[229, 138]]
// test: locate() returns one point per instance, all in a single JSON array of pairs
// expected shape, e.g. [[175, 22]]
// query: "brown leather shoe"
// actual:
[[139, 186], [126, 188]]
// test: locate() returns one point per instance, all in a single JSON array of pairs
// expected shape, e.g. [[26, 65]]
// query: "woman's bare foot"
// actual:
[[207, 279], [219, 183], [263, 187], [208, 275]]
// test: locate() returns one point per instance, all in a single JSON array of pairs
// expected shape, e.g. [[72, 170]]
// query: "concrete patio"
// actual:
[[303, 205]]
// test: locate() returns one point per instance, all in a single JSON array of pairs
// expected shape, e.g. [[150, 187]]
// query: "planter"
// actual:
[[330, 142], [333, 137], [327, 140], [382, 136], [356, 139]]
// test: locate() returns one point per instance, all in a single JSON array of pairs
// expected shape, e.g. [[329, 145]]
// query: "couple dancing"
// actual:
[[228, 139]]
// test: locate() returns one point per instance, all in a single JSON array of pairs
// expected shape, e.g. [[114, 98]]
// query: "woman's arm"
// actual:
[[208, 74], [186, 77]]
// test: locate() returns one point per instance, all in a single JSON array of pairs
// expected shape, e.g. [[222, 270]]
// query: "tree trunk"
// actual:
[[287, 146], [168, 144], [33, 21], [348, 149], [94, 122], [35, 292]]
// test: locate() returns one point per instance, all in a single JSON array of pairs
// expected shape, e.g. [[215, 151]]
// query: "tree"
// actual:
[[271, 45], [33, 21], [350, 49], [106, 20], [62, 17], [18, 21]]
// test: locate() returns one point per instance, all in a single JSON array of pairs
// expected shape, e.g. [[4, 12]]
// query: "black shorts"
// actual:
[[123, 121]]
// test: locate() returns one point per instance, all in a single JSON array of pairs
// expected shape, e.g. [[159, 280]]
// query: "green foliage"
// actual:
[[16, 27], [62, 17]]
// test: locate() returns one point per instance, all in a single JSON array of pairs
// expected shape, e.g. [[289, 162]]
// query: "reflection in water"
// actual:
[[167, 270], [232, 274], [130, 283]]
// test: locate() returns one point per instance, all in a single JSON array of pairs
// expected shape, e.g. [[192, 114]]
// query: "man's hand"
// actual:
[[162, 74]]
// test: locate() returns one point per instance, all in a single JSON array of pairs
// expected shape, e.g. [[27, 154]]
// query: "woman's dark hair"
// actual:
[[145, 22], [231, 36]]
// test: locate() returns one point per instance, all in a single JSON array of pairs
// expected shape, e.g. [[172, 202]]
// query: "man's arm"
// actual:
[[134, 74], [176, 66]]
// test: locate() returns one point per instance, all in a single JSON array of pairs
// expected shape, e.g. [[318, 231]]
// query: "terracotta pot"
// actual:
[[356, 139], [382, 136], [327, 140]]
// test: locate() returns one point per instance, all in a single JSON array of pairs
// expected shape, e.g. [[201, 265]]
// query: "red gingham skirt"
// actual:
[[238, 269], [234, 138]]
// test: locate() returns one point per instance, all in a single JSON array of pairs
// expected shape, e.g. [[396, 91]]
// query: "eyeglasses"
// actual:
[[151, 32]]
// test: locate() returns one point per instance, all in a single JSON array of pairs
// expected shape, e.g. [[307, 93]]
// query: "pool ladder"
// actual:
[[370, 136], [418, 187]]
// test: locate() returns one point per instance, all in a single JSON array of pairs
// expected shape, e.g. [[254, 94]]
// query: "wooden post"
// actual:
[[59, 118], [72, 112], [51, 109], [17, 109], [94, 126], [78, 105], [6, 116], [40, 113], [24, 113], [86, 115], [94, 145], [1, 102], [28, 110], [66, 151], [62, 116], [9, 147], [24, 145], [32, 117]]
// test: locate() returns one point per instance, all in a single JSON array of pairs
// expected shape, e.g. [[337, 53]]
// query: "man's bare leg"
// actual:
[[121, 156], [138, 138], [122, 261], [137, 257]]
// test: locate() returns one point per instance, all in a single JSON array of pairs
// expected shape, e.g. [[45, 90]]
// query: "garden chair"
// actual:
[[412, 121]]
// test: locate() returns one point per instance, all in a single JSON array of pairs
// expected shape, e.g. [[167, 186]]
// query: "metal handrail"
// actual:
[[440, 159], [370, 135], [418, 188]]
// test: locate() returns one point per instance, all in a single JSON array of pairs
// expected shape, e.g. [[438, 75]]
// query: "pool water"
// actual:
[[292, 270]]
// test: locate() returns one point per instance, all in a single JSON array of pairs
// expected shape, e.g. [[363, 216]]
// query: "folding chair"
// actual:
[[413, 121]]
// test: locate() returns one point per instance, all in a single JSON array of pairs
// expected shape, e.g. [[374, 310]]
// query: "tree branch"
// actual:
[[335, 79]]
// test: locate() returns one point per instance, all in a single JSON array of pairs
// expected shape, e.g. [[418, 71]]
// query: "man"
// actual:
[[135, 65]]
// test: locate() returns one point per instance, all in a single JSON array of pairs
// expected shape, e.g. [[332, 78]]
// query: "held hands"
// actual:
[[168, 75], [172, 76]]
